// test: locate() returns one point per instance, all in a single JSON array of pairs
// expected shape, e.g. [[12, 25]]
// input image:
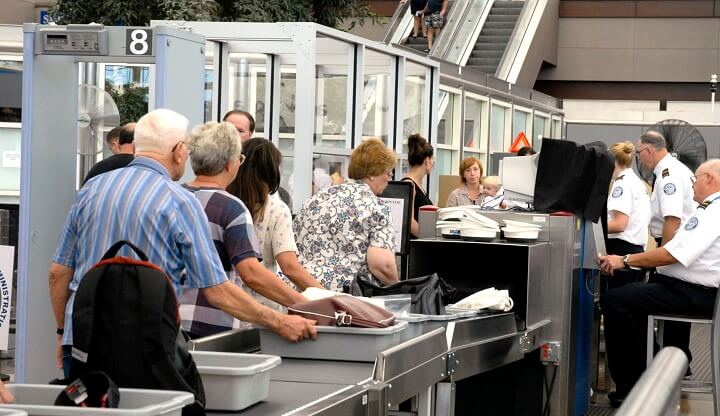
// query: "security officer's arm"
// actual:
[[619, 223], [653, 258], [670, 227]]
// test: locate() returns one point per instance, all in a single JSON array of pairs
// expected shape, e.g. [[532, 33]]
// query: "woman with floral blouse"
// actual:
[[345, 231]]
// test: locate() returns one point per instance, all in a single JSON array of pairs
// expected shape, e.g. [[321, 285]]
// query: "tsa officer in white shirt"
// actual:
[[672, 195], [628, 207], [688, 277], [671, 203]]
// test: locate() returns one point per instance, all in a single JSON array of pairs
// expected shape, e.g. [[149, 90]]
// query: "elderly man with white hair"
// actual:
[[142, 204]]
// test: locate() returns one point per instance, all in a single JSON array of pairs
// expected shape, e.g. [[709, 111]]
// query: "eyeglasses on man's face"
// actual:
[[695, 178], [639, 151], [177, 145]]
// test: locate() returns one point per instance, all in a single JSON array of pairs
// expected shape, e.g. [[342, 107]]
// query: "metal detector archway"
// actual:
[[49, 148]]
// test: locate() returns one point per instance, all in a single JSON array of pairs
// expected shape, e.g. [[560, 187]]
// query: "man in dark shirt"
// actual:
[[120, 142]]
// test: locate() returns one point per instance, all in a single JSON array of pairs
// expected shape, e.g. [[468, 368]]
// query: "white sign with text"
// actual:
[[7, 257]]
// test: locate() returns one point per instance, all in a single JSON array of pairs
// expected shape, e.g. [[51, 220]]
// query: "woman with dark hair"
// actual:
[[421, 160], [257, 178]]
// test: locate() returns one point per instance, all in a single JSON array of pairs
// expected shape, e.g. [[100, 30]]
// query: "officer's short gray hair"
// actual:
[[212, 145], [654, 139]]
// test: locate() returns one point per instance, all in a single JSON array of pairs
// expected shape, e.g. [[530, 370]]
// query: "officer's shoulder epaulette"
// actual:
[[619, 177], [665, 172], [705, 204]]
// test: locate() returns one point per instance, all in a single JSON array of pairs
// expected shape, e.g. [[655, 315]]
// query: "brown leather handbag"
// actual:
[[344, 311]]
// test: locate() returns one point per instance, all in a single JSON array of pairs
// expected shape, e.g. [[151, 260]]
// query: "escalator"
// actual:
[[495, 36], [420, 44], [506, 39]]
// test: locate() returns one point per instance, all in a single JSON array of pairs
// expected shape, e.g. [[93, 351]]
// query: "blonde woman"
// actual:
[[628, 207]]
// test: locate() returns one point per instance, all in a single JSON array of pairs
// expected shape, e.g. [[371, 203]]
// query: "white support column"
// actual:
[[399, 114], [272, 99], [221, 80], [304, 39], [355, 94]]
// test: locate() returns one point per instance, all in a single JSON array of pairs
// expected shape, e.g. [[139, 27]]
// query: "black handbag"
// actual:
[[429, 294]]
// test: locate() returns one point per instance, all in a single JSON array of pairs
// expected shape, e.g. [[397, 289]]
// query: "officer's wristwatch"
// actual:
[[626, 258]]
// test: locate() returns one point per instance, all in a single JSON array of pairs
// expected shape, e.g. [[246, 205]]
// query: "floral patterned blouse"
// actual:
[[334, 230]]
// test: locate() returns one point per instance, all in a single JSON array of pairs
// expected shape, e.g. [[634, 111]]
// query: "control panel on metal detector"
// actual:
[[80, 42]]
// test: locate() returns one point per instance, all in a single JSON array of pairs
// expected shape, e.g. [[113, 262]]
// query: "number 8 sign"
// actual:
[[138, 42]]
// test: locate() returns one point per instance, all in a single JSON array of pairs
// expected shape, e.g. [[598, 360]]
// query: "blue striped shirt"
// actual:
[[141, 204]]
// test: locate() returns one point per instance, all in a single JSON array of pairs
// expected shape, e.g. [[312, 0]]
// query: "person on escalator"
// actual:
[[434, 13], [416, 8]]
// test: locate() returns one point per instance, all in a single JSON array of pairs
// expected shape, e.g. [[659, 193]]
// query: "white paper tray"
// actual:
[[336, 343]]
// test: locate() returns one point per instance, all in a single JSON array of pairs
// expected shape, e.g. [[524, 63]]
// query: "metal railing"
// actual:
[[657, 393]]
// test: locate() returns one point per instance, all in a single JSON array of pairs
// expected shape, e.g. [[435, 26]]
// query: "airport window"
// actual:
[[378, 90]]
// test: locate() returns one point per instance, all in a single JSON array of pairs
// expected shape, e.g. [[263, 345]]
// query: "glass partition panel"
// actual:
[[11, 87], [498, 127], [556, 128], [476, 125], [415, 105], [129, 86], [328, 170], [378, 91], [447, 125], [521, 123], [209, 81], [332, 71], [287, 108], [444, 161], [10, 149], [541, 127], [246, 89]]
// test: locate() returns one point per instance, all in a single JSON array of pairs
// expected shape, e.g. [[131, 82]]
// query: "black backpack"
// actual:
[[126, 324]]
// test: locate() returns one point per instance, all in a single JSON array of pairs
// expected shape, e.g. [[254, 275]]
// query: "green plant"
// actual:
[[131, 101], [139, 12]]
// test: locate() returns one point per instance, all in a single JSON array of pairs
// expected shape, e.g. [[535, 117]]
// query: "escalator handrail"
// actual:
[[395, 21], [455, 19], [517, 39]]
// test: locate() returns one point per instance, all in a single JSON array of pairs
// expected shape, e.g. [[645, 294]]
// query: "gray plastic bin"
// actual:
[[234, 381], [422, 324], [336, 343], [38, 399], [12, 412]]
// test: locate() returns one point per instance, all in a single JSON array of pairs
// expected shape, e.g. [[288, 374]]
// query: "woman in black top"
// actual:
[[420, 157]]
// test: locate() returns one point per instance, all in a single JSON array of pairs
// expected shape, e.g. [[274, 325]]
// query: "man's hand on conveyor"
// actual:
[[296, 328]]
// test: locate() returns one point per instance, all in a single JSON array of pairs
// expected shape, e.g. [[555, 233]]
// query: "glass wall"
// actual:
[[541, 127], [378, 90], [246, 89], [415, 105], [333, 62], [499, 127], [475, 134], [522, 122], [10, 89]]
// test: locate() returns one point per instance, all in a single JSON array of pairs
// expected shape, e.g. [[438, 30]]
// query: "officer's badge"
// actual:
[[691, 224], [617, 192], [669, 189]]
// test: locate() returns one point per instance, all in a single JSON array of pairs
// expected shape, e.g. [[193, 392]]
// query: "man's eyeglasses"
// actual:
[[694, 178], [176, 146], [641, 150]]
